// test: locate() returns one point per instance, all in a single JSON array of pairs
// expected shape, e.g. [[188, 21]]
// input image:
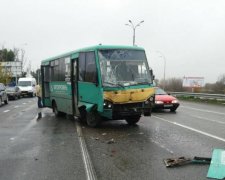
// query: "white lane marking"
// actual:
[[6, 111], [192, 129], [89, 169], [24, 103], [162, 146], [16, 106], [212, 120], [202, 110]]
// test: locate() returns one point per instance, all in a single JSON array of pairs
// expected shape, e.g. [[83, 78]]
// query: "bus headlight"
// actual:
[[148, 101], [107, 104]]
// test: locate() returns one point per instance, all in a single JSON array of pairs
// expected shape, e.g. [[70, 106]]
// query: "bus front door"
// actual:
[[74, 87], [45, 77]]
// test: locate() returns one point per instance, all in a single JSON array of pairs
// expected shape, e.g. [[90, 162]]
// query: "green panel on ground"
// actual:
[[217, 166]]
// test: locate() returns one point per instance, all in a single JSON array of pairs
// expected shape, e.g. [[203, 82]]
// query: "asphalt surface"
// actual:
[[49, 148]]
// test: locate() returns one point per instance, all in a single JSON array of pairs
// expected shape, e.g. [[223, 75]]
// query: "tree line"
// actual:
[[176, 85], [10, 55]]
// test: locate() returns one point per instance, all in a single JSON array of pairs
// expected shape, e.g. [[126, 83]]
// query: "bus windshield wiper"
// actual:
[[115, 84], [143, 83]]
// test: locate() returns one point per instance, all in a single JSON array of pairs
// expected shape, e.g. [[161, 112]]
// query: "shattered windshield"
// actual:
[[122, 67]]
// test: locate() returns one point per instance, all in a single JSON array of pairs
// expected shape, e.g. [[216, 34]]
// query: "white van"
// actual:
[[27, 86]]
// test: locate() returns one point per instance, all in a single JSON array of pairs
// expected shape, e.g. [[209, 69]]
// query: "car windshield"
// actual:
[[122, 67], [159, 91], [24, 83]]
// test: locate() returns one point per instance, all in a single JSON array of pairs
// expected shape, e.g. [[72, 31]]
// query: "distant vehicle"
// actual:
[[165, 101], [13, 92], [27, 86], [3, 94]]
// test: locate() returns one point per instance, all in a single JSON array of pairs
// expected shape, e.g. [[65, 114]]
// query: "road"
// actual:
[[50, 148]]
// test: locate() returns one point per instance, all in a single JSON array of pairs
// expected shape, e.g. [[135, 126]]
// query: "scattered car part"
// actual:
[[171, 162]]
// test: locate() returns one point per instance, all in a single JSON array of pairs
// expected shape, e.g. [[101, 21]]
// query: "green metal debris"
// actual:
[[217, 166]]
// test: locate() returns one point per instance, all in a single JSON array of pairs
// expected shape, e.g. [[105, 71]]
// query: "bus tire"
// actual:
[[93, 119], [133, 120], [83, 115], [55, 110]]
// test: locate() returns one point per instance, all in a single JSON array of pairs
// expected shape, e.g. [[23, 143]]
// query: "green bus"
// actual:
[[99, 83]]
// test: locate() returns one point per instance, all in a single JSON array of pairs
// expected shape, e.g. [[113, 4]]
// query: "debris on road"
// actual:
[[95, 138], [217, 166], [104, 134], [217, 163], [111, 141], [171, 162]]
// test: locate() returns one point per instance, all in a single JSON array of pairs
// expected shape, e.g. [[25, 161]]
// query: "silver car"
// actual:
[[3, 94]]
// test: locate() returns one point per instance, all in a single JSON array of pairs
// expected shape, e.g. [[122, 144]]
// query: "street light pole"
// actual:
[[134, 28], [164, 71]]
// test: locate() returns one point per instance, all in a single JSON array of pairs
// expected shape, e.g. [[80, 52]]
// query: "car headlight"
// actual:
[[158, 102], [175, 101]]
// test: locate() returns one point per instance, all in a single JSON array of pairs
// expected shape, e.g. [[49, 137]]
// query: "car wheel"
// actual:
[[173, 109], [93, 119], [133, 120], [7, 100], [0, 101]]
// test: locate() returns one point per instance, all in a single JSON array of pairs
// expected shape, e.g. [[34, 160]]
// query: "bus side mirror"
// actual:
[[152, 75]]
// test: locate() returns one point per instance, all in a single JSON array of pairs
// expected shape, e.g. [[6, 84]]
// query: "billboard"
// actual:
[[14, 67], [193, 81]]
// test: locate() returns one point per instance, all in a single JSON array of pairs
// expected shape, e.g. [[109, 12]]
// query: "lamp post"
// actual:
[[164, 71], [134, 28]]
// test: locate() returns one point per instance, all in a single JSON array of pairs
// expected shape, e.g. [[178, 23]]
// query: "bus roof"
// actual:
[[97, 47]]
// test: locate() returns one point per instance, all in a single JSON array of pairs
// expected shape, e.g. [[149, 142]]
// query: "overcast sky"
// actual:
[[190, 34]]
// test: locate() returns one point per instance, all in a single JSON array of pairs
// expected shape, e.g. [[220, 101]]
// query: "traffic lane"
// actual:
[[211, 108], [202, 113], [43, 149], [14, 121], [138, 151], [208, 126], [15, 104], [207, 122]]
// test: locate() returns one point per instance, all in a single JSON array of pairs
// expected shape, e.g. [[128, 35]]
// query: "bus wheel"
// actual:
[[93, 119], [147, 113], [132, 120], [83, 115], [55, 110]]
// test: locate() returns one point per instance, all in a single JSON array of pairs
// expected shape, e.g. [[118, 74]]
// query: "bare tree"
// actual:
[[20, 56]]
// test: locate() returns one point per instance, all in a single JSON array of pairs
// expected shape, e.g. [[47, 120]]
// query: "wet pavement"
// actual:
[[48, 147]]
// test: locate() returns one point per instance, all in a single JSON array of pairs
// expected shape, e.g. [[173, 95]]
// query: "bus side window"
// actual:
[[81, 64], [90, 74]]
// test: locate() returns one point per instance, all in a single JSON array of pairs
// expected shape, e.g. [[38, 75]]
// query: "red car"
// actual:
[[165, 101]]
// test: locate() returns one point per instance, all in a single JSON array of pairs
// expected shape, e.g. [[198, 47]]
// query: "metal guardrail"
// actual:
[[220, 97]]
